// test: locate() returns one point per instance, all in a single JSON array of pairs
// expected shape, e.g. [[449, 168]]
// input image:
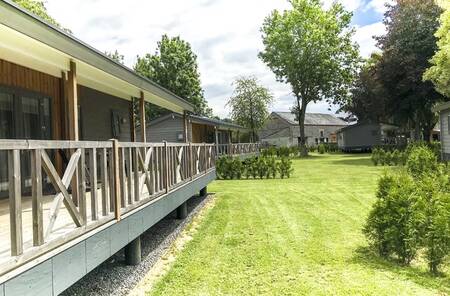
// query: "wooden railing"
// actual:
[[237, 149], [98, 182]]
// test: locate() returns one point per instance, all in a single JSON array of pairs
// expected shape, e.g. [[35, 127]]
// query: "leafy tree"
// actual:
[[38, 8], [174, 66], [116, 56], [407, 48], [249, 103], [439, 73], [367, 100], [311, 49]]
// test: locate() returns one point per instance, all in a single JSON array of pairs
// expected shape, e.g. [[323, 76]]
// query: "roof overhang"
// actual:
[[31, 42], [441, 107]]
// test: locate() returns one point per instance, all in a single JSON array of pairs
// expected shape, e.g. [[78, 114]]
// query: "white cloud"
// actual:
[[378, 5], [364, 37], [224, 34]]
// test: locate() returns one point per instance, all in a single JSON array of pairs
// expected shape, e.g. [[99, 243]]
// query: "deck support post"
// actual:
[[216, 137], [133, 252], [185, 127], [204, 191], [72, 104], [182, 211], [132, 121], [142, 118]]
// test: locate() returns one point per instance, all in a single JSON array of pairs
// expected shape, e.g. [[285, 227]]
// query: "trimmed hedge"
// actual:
[[255, 167]]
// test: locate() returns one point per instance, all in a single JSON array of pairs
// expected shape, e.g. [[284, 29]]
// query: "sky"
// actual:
[[224, 34]]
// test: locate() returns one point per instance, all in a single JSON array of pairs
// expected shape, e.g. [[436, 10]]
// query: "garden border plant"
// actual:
[[255, 167], [412, 210]]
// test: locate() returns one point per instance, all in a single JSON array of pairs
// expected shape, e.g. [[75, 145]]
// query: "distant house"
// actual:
[[444, 128], [281, 129], [200, 129], [365, 136]]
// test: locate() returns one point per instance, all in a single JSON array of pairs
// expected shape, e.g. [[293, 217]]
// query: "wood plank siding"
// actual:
[[13, 75]]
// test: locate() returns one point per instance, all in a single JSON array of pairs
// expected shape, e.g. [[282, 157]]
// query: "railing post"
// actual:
[[82, 186], [205, 157], [116, 178], [166, 164], [15, 202], [36, 199], [191, 161]]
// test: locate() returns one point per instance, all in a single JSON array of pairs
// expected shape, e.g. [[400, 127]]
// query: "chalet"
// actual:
[[281, 129], [365, 136], [200, 129], [78, 183]]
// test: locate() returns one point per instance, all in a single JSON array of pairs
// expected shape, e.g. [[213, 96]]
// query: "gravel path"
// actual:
[[113, 277]]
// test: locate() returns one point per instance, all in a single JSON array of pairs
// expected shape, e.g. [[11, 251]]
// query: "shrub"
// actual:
[[434, 206], [285, 167], [375, 157], [321, 149], [421, 161], [382, 157], [271, 167], [392, 225]]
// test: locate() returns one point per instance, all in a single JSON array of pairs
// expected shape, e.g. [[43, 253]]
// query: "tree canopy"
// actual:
[[311, 49], [249, 103], [439, 72], [116, 56], [174, 66], [407, 48], [38, 8], [367, 101]]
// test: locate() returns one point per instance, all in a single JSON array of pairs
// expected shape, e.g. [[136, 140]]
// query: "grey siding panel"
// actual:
[[34, 282], [445, 136], [96, 115], [2, 290], [367, 135], [68, 267], [98, 249], [119, 236], [165, 130]]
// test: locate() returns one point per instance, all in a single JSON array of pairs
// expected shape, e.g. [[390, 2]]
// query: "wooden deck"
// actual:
[[63, 223]]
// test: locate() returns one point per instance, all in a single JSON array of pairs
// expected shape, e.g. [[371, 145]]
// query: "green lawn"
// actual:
[[298, 236]]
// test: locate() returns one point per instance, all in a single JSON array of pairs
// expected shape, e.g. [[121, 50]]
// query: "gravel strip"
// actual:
[[113, 277]]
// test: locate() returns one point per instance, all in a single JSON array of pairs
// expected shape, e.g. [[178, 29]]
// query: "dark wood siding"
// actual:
[[14, 75]]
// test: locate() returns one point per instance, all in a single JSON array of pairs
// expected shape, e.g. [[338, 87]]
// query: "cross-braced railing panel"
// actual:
[[70, 187]]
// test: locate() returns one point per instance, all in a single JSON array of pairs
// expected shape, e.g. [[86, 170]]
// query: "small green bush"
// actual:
[[271, 167], [285, 167], [421, 161], [321, 149]]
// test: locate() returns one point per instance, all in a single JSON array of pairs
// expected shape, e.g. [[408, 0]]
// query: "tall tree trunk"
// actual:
[[301, 111]]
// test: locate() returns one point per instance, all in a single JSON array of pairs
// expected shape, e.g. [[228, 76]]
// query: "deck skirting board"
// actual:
[[59, 272]]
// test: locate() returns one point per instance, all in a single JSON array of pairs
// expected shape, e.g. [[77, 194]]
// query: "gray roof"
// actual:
[[200, 119], [312, 119]]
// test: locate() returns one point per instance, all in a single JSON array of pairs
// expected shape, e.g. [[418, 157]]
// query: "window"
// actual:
[[448, 123], [24, 115], [6, 116], [321, 133]]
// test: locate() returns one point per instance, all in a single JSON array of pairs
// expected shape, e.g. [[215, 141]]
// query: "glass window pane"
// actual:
[[6, 116], [32, 126]]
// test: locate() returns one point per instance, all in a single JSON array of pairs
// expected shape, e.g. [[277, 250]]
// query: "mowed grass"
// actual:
[[297, 236]]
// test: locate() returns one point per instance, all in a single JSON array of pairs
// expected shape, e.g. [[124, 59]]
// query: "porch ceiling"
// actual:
[[28, 41]]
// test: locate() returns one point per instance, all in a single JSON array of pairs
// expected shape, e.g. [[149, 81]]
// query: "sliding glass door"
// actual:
[[23, 115]]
